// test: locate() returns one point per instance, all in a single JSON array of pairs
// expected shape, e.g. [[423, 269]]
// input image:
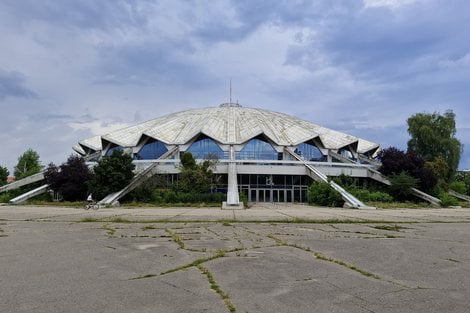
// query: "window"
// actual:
[[310, 152], [152, 149], [258, 149], [205, 146], [345, 152], [112, 148]]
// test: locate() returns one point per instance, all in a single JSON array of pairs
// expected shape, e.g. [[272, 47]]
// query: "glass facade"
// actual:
[[274, 188], [310, 152], [258, 149], [205, 146], [152, 149], [112, 148]]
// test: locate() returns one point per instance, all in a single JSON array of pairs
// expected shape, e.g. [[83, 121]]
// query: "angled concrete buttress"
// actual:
[[23, 182], [350, 200], [30, 194], [459, 195], [138, 180]]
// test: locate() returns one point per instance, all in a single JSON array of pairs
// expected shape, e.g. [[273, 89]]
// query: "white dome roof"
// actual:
[[229, 124]]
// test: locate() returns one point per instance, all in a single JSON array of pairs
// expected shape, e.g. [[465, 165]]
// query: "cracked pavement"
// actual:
[[53, 261]]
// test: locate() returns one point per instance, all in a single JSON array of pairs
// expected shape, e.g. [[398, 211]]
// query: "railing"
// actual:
[[256, 155], [266, 162]]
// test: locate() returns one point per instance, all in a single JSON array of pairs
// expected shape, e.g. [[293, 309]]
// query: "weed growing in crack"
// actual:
[[120, 220], [176, 238], [278, 241], [109, 230], [219, 254], [347, 265], [143, 276], [89, 220], [389, 227], [216, 288], [148, 227]]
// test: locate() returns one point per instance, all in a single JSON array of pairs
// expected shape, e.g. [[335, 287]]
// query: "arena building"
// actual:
[[269, 156]]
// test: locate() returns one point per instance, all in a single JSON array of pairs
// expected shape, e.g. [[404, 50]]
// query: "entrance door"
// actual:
[[253, 196]]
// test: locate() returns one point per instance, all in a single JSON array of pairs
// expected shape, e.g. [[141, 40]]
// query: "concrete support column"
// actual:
[[233, 197]]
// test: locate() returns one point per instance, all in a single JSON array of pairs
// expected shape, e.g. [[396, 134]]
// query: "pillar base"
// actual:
[[226, 206]]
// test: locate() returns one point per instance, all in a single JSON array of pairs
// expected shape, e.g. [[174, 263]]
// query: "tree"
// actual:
[[402, 184], [195, 178], [433, 136], [3, 175], [28, 164], [395, 161], [112, 173], [70, 179]]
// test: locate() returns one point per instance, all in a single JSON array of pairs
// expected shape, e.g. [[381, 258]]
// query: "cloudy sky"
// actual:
[[73, 69]]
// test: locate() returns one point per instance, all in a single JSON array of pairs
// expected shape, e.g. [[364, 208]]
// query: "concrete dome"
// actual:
[[228, 124]]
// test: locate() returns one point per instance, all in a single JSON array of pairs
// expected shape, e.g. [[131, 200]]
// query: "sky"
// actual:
[[73, 69]]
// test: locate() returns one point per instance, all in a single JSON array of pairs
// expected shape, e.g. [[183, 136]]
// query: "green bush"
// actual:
[[344, 181], [458, 186], [321, 193], [375, 196], [244, 199], [380, 196], [448, 200], [5, 197], [402, 184], [166, 196]]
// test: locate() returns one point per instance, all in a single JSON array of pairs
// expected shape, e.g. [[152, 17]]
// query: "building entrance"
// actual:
[[277, 195], [270, 195]]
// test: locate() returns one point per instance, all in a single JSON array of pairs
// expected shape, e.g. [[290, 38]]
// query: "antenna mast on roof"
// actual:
[[230, 91]]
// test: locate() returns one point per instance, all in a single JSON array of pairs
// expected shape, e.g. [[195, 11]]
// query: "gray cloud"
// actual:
[[83, 14], [12, 85], [96, 64]]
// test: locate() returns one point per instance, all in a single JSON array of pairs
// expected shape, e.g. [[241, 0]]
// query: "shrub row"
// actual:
[[374, 196], [320, 193], [170, 196]]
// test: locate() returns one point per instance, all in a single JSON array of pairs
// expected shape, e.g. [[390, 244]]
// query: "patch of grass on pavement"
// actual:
[[389, 227], [148, 227], [89, 220]]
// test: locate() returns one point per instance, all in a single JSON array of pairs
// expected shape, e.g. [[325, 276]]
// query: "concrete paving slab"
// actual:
[[53, 261]]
